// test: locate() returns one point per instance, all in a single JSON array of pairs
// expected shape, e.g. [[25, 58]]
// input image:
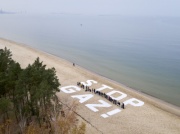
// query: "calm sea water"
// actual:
[[140, 52]]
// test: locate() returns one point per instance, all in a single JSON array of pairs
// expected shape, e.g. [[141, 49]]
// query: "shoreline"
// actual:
[[168, 106], [151, 101], [158, 102]]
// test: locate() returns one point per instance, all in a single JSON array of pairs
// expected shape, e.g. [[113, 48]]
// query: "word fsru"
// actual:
[[85, 97]]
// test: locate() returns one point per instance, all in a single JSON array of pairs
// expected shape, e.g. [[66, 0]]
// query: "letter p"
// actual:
[[134, 102]]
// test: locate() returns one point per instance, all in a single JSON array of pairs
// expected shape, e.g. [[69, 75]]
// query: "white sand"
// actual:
[[155, 116]]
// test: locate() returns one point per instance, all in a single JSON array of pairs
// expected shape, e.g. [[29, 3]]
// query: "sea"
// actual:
[[140, 52]]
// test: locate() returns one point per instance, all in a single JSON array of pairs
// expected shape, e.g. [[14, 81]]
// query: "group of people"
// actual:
[[114, 101]]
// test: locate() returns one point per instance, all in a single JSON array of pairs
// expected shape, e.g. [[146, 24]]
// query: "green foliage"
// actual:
[[4, 105], [36, 87], [28, 95], [5, 63], [5, 59]]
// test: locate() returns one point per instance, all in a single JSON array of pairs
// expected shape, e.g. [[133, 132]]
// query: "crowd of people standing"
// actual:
[[114, 101]]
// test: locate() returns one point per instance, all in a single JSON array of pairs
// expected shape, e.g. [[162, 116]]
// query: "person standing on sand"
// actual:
[[122, 106], [74, 64]]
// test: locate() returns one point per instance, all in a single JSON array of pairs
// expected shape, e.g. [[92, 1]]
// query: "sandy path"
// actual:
[[154, 116]]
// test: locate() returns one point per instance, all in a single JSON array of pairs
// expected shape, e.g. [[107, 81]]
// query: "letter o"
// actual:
[[123, 95]]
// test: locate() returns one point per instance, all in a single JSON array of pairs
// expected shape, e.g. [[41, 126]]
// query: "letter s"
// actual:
[[89, 82]]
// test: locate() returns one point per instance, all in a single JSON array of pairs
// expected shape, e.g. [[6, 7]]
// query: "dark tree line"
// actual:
[[27, 95]]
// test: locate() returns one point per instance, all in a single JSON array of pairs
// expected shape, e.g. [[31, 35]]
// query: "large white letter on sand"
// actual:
[[83, 98], [135, 102], [104, 87], [89, 82], [70, 89], [92, 106], [122, 95]]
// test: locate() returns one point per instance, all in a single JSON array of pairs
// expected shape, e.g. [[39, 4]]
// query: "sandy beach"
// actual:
[[150, 116]]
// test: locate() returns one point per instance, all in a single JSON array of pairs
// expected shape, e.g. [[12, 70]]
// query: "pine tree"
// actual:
[[35, 89], [4, 108], [5, 62], [29, 94]]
